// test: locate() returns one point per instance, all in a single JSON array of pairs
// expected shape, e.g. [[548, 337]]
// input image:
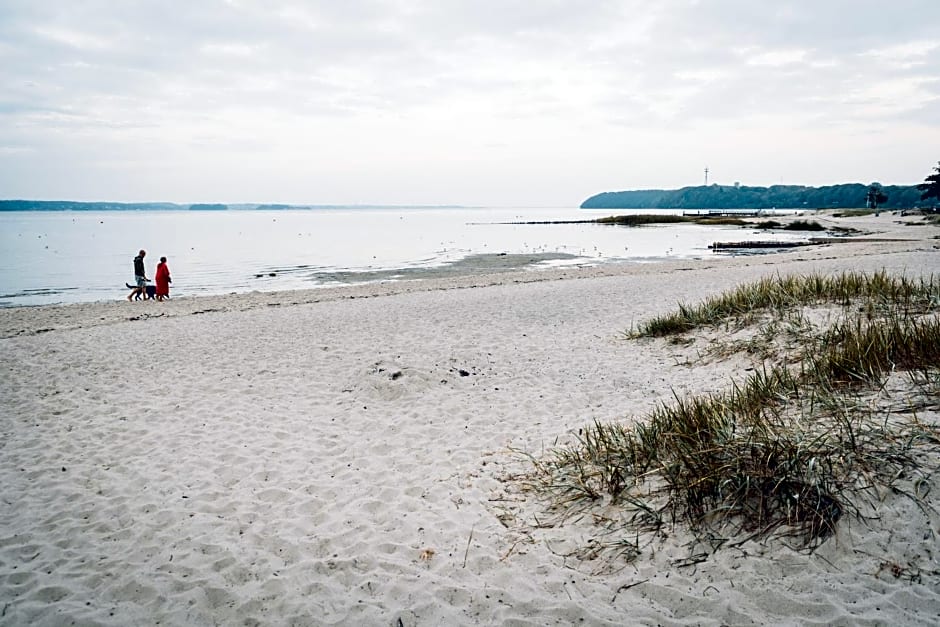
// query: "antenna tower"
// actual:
[[706, 175]]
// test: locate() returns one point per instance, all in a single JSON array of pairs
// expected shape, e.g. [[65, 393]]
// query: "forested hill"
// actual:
[[846, 196]]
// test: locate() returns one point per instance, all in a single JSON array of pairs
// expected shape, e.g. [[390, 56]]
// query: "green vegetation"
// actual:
[[720, 221], [804, 225], [796, 225], [846, 196], [782, 292], [642, 220], [930, 188], [768, 225], [854, 213], [806, 439], [875, 196], [647, 219]]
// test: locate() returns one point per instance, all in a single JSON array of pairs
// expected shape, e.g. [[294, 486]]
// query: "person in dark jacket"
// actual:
[[140, 276]]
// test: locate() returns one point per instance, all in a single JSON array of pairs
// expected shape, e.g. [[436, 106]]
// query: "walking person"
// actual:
[[163, 280], [140, 276]]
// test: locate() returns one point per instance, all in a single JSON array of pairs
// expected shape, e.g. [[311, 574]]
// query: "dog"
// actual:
[[150, 291]]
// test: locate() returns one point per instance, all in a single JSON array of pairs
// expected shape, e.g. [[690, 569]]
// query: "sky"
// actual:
[[467, 102]]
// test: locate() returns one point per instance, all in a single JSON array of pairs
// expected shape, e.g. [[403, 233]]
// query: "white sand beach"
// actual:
[[341, 457]]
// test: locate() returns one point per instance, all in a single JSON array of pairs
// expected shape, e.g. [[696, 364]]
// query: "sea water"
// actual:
[[78, 256]]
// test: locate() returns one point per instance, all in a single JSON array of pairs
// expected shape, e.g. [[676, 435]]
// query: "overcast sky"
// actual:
[[473, 102]]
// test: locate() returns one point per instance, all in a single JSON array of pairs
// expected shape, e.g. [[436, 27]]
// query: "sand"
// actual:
[[342, 457]]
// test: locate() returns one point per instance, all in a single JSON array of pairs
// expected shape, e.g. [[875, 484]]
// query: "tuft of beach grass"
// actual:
[[802, 441]]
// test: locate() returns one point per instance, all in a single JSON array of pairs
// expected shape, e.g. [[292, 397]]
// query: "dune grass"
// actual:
[[804, 225], [719, 221], [796, 225], [783, 292], [854, 213], [648, 219], [792, 448], [768, 225], [642, 219]]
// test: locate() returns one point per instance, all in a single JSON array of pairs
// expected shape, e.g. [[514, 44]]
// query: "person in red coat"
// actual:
[[162, 279]]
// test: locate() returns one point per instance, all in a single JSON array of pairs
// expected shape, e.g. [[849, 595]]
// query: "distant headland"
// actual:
[[844, 196], [73, 205]]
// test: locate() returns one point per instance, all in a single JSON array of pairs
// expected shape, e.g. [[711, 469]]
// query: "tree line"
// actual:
[[844, 196]]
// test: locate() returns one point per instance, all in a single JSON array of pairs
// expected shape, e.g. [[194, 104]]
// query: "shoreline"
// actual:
[[20, 320], [286, 264], [342, 455]]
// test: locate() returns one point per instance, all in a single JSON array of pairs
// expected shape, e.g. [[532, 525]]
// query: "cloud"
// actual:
[[358, 87]]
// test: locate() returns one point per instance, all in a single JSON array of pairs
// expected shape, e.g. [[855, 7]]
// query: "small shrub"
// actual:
[[804, 225], [721, 221], [768, 225], [854, 213], [641, 220]]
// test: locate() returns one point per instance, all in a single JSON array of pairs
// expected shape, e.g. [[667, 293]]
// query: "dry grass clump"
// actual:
[[796, 225], [794, 447], [854, 213], [642, 219], [804, 225], [647, 219], [768, 225], [720, 221], [859, 350], [786, 292]]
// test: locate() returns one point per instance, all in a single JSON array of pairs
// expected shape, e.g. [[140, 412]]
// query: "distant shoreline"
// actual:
[[74, 205]]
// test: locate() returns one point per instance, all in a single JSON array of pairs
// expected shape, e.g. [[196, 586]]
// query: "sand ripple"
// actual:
[[339, 462]]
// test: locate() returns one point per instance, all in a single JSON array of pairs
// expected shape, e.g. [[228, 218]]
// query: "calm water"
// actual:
[[66, 257]]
